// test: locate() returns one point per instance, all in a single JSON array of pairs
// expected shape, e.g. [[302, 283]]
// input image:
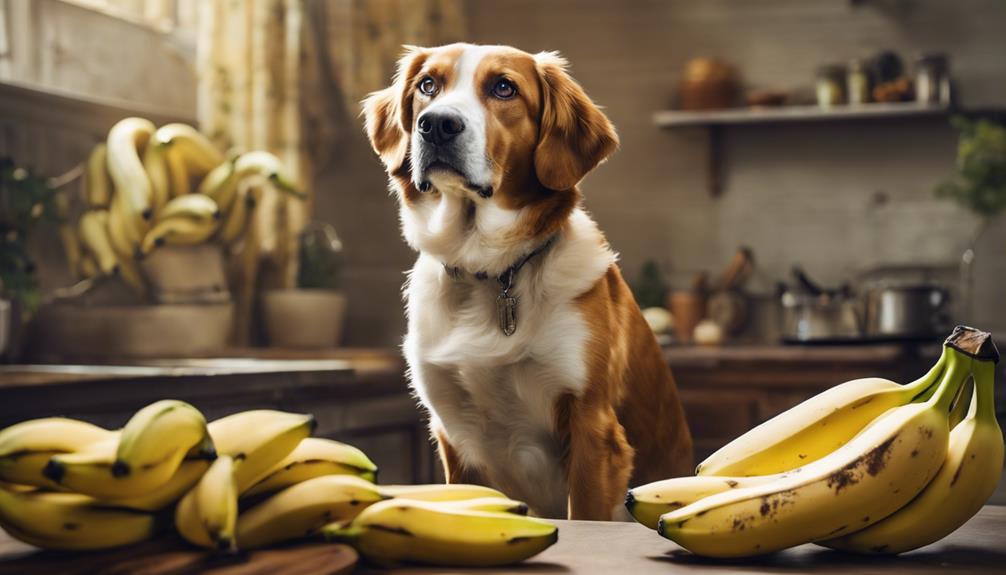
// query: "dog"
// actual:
[[540, 376]]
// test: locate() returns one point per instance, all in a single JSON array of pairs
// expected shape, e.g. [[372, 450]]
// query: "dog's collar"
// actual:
[[506, 304]]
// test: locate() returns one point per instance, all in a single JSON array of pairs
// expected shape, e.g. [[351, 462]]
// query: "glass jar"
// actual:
[[857, 83], [830, 85], [932, 79]]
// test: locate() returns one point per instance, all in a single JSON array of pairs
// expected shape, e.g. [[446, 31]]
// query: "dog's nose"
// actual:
[[439, 128]]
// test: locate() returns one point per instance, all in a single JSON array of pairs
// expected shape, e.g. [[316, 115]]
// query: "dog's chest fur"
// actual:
[[494, 396]]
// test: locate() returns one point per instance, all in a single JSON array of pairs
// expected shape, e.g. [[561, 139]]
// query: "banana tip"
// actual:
[[630, 500], [54, 470], [660, 526], [120, 468]]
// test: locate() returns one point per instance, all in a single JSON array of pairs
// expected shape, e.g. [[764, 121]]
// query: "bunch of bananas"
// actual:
[[147, 187], [869, 466], [246, 481]]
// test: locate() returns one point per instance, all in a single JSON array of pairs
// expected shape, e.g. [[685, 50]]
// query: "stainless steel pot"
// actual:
[[906, 311]]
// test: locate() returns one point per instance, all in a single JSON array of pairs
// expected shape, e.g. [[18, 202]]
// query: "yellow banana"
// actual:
[[179, 182], [87, 268], [406, 531], [93, 230], [25, 448], [139, 462], [267, 166], [859, 484], [198, 153], [188, 474], [969, 476], [221, 185], [98, 185], [301, 509], [241, 214], [156, 166], [494, 504], [258, 439], [439, 492], [814, 428], [125, 141], [207, 515], [647, 503], [192, 206], [314, 457], [178, 232], [69, 521]]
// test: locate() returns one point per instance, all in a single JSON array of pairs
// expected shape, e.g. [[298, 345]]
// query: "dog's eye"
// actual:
[[504, 89], [428, 86]]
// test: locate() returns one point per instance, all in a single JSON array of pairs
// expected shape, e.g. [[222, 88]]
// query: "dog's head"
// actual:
[[490, 123]]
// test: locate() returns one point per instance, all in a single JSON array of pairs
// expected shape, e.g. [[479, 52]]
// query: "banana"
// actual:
[[179, 182], [188, 474], [314, 457], [178, 232], [207, 515], [969, 476], [141, 459], [240, 215], [859, 484], [125, 141], [192, 206], [439, 492], [814, 428], [125, 249], [98, 186], [962, 403], [400, 531], [69, 521], [647, 503], [303, 508], [267, 166], [259, 439], [93, 230], [200, 156], [156, 166], [494, 504], [26, 447], [159, 436], [221, 185]]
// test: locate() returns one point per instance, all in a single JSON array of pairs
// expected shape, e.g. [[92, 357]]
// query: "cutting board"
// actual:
[[171, 556]]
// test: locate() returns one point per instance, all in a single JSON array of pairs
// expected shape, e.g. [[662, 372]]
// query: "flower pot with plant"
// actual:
[[312, 314]]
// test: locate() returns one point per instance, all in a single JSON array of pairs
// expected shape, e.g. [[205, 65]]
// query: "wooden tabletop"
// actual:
[[611, 548]]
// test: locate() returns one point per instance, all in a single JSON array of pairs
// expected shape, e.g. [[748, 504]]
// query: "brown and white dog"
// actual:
[[524, 343]]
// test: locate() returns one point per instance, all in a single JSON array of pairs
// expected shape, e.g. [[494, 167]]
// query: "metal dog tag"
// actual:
[[506, 309]]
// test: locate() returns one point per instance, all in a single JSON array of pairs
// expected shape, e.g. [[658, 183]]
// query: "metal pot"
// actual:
[[812, 314], [906, 311]]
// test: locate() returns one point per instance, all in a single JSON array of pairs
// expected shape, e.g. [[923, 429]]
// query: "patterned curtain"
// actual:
[[287, 76]]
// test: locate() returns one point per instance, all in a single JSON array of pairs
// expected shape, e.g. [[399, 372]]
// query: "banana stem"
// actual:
[[924, 387], [957, 371], [985, 375]]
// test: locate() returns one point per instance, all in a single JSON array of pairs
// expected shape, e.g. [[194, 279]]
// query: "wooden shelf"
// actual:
[[715, 121], [795, 114]]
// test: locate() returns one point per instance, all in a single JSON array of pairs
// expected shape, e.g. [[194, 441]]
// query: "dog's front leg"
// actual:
[[598, 458]]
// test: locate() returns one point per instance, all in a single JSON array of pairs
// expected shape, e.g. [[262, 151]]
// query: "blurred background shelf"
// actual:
[[796, 114]]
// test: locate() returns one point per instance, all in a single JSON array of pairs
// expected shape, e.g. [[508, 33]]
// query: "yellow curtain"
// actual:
[[287, 76]]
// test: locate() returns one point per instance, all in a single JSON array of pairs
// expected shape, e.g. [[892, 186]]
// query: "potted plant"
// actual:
[[26, 200], [312, 314], [979, 184]]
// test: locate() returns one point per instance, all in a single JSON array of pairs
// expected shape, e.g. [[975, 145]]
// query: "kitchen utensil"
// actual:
[[812, 314], [906, 311]]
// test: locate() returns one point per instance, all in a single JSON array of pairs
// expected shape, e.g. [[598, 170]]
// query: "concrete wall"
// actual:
[[837, 198]]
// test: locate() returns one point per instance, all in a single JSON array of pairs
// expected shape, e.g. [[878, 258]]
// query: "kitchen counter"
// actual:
[[589, 547]]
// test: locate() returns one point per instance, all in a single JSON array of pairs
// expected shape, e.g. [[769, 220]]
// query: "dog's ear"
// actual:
[[388, 112], [575, 136]]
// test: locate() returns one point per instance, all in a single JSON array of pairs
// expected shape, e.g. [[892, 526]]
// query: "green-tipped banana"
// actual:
[[969, 476], [25, 448], [207, 515], [314, 457], [406, 531], [258, 440], [69, 521], [859, 484], [647, 503], [304, 508], [814, 428]]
